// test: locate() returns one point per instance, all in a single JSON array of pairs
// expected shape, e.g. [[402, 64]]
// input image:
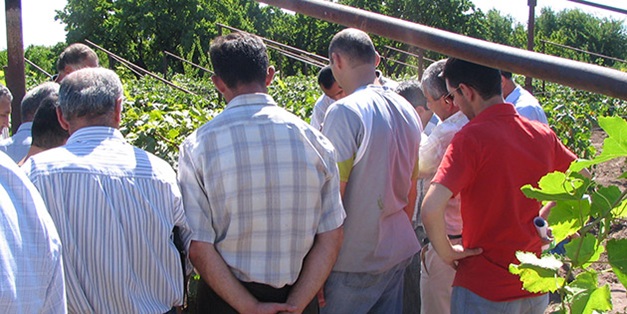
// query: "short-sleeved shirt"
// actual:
[[376, 133], [526, 105], [259, 183], [487, 162], [115, 207]]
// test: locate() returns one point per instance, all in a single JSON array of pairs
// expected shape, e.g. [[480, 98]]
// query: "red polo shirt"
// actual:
[[487, 162]]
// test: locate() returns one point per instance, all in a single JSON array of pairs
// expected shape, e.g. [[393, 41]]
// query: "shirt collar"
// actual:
[[251, 99], [504, 109], [95, 133]]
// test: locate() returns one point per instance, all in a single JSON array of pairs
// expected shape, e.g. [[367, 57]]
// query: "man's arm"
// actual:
[[316, 268], [432, 214], [218, 276]]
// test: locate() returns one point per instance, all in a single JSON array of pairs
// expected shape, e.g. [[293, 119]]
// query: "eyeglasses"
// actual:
[[451, 95]]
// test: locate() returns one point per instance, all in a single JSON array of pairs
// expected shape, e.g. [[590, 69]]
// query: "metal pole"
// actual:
[[530, 42], [563, 71], [15, 77]]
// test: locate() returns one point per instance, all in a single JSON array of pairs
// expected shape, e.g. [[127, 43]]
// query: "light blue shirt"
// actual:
[[526, 105], [31, 267], [114, 206], [17, 146]]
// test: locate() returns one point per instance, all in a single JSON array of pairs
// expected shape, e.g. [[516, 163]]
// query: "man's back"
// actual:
[[266, 188], [31, 263], [115, 207], [487, 162], [378, 133], [17, 145]]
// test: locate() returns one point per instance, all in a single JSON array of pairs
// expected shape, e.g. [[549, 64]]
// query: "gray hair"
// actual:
[[89, 92], [5, 92], [432, 82], [32, 100], [412, 91]]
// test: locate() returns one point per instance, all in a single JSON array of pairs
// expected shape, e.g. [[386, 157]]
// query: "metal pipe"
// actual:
[[15, 76], [38, 68], [559, 70]]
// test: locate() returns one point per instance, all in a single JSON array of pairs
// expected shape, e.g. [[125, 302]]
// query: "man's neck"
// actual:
[[359, 76], [508, 88]]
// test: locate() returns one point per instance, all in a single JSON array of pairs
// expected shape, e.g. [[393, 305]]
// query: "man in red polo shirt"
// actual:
[[487, 163]]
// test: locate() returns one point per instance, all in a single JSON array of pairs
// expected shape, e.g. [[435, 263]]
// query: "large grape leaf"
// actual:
[[614, 146], [584, 250], [538, 274], [557, 186], [586, 297], [617, 256], [567, 217]]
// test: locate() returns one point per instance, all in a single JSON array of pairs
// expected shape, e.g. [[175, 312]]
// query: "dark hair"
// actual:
[[32, 100], [75, 54], [487, 81], [239, 58], [507, 75], [325, 77], [412, 91], [356, 44], [46, 131]]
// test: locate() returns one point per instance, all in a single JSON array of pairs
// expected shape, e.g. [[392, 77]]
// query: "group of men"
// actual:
[[277, 215]]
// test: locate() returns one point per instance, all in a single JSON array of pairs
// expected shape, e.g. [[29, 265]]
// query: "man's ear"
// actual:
[[377, 60], [118, 110], [270, 75], [64, 124], [468, 92], [219, 83], [336, 59]]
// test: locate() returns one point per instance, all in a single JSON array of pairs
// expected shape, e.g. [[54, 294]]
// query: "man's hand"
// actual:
[[273, 308], [459, 252]]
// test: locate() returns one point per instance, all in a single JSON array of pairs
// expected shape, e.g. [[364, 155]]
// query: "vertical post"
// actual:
[[530, 37], [15, 78], [421, 63]]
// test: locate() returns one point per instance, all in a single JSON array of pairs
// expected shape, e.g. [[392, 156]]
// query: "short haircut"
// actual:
[[507, 75], [432, 82], [355, 44], [411, 90], [325, 77], [46, 131], [5, 92], [239, 58], [75, 54], [32, 100], [89, 92], [486, 80]]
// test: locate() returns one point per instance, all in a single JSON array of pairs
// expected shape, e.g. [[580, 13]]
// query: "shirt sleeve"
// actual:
[[345, 131], [333, 213], [458, 165], [195, 201]]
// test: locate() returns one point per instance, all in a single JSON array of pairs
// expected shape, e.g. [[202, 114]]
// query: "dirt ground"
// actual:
[[607, 174]]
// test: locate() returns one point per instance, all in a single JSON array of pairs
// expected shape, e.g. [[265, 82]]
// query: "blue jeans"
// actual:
[[357, 293], [467, 302]]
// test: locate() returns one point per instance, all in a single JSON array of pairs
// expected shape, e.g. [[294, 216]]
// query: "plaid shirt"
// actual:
[[259, 183]]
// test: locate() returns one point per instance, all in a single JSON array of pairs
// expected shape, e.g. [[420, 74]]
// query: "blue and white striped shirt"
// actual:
[[115, 206], [31, 267]]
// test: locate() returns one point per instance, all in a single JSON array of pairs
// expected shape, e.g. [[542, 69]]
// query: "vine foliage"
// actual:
[[584, 213]]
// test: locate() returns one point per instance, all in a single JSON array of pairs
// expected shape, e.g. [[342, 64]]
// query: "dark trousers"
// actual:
[[207, 301]]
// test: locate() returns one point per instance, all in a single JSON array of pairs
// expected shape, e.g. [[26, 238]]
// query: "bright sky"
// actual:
[[40, 28]]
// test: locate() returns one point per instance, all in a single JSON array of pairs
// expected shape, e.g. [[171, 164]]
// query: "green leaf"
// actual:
[[614, 146], [584, 250], [538, 274], [567, 217], [586, 296], [557, 186], [604, 199], [617, 256]]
